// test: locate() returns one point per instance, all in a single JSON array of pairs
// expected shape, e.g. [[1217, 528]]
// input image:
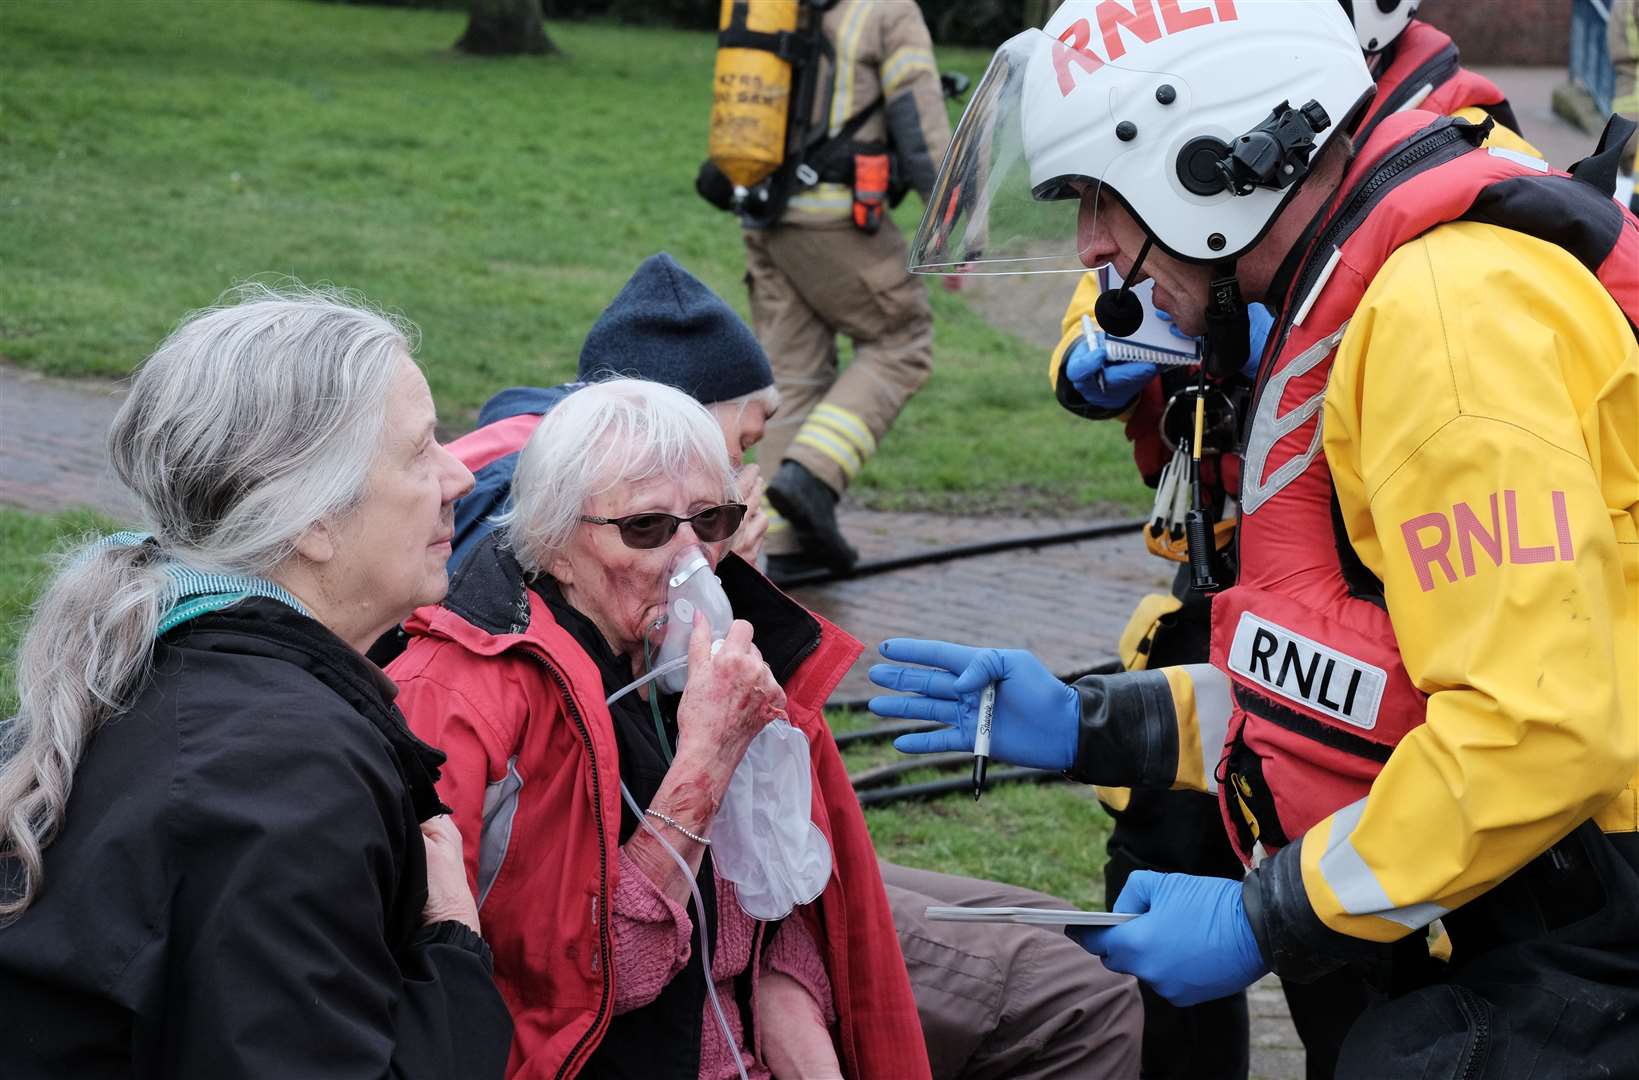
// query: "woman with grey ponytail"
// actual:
[[221, 852]]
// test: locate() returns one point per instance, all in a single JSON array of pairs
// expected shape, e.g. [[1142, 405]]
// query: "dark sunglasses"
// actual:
[[652, 529]]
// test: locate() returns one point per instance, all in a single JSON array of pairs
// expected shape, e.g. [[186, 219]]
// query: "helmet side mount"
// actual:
[[1273, 155]]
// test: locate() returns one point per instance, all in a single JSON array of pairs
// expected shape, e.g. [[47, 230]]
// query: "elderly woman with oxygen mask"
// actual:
[[609, 723]]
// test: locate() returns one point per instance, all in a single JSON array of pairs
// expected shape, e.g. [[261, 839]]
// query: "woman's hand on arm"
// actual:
[[794, 1006], [449, 899], [729, 696]]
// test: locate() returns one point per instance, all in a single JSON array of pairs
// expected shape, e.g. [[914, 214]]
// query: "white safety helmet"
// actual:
[[1378, 22], [1200, 116]]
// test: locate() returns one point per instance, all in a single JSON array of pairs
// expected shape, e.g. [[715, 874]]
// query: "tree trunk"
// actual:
[[1037, 12], [504, 28]]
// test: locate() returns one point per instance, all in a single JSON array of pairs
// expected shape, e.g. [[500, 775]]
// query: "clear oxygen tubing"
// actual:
[[636, 684], [688, 876]]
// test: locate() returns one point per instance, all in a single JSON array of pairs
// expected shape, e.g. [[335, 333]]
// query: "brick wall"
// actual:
[[1505, 31]]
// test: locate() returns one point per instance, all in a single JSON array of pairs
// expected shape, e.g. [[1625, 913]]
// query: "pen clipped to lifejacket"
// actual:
[[981, 738]]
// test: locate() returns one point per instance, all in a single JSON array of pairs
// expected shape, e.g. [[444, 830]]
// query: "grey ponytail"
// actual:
[[253, 421]]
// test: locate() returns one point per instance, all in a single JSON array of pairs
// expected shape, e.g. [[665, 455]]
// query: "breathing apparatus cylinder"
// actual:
[[691, 587], [751, 92]]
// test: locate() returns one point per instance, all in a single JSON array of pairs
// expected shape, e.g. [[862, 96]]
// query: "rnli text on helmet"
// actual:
[[1140, 20]]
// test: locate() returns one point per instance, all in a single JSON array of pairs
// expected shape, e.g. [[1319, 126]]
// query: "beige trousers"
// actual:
[[808, 284], [999, 1000]]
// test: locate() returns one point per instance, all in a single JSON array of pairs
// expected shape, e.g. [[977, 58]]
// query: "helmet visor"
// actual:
[[991, 211]]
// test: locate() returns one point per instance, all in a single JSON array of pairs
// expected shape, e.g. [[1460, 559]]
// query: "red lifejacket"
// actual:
[[1321, 697], [1425, 72]]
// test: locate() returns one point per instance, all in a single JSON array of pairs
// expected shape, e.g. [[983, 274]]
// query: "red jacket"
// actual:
[[492, 680]]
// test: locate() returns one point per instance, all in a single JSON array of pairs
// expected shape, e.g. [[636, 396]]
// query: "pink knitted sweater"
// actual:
[[653, 940]]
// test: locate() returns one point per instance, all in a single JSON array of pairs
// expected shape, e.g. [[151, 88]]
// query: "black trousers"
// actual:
[[1543, 980], [1183, 832]]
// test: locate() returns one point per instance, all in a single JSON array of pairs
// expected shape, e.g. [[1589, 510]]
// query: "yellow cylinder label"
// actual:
[[751, 94]]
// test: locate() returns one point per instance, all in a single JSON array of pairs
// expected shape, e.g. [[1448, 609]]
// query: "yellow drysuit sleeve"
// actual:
[[1482, 429]]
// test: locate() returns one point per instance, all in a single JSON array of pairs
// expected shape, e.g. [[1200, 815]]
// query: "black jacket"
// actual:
[[237, 887]]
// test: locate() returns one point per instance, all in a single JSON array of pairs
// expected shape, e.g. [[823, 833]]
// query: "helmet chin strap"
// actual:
[[1227, 326]]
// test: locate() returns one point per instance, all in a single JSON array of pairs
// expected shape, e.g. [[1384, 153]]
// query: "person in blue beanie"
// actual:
[[667, 326]]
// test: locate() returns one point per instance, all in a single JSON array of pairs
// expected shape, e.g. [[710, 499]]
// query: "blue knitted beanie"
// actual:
[[666, 326]]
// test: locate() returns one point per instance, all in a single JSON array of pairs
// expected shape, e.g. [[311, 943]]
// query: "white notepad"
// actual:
[[1030, 916], [1154, 343]]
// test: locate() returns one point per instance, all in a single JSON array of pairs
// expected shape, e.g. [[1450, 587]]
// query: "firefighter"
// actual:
[[825, 258], [1421, 702], [1411, 62]]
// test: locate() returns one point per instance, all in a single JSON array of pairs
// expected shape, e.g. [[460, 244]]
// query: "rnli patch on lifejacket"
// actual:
[[1303, 670]]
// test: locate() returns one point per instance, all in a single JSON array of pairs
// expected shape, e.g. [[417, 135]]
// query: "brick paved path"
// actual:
[[1067, 604], [53, 454]]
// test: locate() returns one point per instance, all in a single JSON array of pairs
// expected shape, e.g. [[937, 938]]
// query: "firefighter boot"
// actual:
[[811, 508]]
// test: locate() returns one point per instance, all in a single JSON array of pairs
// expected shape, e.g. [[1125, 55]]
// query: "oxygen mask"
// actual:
[[763, 838], [691, 587]]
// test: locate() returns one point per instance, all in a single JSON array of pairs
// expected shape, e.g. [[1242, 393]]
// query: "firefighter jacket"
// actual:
[[881, 53], [1425, 674]]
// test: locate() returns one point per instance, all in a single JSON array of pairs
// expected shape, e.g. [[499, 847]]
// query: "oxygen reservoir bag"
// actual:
[[763, 838]]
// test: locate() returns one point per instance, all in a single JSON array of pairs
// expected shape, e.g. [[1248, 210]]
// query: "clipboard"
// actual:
[[1027, 916]]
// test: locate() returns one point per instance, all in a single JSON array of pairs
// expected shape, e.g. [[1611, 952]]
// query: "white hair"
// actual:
[[254, 420], [769, 396], [619, 431]]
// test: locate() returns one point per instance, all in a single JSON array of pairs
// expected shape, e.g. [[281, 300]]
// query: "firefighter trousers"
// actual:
[[807, 285]]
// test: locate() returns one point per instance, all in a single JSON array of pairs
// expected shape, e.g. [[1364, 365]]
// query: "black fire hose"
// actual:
[[932, 789], [960, 551]]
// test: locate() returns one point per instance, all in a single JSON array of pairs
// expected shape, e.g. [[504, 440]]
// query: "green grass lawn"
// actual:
[[153, 154], [1048, 837], [27, 543]]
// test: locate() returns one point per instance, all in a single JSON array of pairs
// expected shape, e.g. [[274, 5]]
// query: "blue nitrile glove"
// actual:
[[1173, 327], [1104, 385], [1037, 720], [1191, 942], [1262, 322]]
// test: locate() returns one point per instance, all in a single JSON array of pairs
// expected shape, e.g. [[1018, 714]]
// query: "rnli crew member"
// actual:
[[833, 262], [1412, 63], [1421, 703]]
